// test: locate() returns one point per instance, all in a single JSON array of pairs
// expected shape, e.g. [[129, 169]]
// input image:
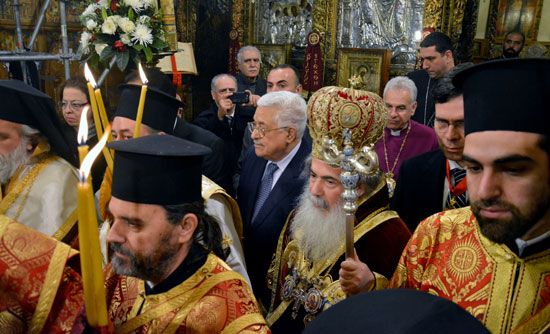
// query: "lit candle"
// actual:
[[100, 117], [88, 234], [99, 100], [82, 136], [141, 104], [91, 84]]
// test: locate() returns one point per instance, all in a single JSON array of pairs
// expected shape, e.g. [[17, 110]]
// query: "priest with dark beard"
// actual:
[[310, 272]]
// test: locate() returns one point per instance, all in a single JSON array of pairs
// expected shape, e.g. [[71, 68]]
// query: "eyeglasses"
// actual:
[[74, 105], [444, 125], [262, 130]]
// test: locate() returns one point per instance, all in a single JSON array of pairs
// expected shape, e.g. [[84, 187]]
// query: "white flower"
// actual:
[[142, 35], [115, 18], [91, 24], [137, 5], [85, 41], [126, 25], [99, 48], [90, 10], [109, 26], [126, 39], [144, 19]]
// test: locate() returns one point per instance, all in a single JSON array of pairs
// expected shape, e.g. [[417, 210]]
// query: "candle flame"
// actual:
[[89, 76], [142, 75], [86, 165], [83, 127]]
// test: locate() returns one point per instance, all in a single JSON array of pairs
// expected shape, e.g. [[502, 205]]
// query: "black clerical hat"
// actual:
[[26, 105], [157, 169], [509, 95], [160, 111], [395, 311]]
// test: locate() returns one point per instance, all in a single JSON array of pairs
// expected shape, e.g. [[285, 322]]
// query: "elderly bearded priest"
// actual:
[[493, 259], [309, 272], [38, 183]]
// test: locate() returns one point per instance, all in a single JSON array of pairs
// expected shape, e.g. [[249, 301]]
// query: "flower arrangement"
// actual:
[[123, 29]]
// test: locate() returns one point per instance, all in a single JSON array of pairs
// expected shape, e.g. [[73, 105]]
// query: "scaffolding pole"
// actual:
[[19, 33], [23, 54]]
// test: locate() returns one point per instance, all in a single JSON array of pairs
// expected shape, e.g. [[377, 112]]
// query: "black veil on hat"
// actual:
[[395, 311], [26, 105], [160, 110], [158, 169], [509, 95]]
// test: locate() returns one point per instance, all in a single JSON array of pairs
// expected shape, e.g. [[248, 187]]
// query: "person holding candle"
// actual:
[[166, 254], [160, 116], [38, 182], [164, 242], [72, 100]]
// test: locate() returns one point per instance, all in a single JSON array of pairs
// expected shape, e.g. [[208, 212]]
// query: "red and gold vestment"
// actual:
[[213, 300], [40, 287], [448, 256]]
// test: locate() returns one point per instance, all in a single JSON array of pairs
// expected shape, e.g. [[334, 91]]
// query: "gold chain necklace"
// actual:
[[389, 174]]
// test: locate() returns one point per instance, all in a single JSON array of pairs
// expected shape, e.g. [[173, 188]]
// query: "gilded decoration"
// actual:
[[283, 21], [368, 68], [237, 18], [364, 113], [445, 16], [324, 22], [385, 24]]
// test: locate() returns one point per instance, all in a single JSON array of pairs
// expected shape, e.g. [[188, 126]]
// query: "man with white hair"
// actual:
[[271, 179], [38, 183], [310, 272], [249, 60], [403, 138]]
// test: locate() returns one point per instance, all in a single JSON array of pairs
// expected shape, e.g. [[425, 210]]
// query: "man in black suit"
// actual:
[[271, 179], [437, 59], [435, 181], [220, 119]]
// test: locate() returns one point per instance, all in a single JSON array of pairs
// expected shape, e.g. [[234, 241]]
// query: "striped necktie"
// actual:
[[265, 188], [460, 200]]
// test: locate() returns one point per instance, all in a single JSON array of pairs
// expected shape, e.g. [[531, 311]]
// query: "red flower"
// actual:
[[114, 5], [119, 46]]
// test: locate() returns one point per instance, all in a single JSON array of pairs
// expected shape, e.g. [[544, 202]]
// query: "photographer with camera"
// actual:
[[219, 119]]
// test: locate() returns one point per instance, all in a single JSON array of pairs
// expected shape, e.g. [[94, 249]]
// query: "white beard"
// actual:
[[319, 233], [10, 162]]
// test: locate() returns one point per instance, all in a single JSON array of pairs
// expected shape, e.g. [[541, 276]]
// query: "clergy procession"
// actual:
[[292, 204]]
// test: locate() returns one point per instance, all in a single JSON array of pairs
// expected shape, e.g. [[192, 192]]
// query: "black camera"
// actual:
[[239, 97]]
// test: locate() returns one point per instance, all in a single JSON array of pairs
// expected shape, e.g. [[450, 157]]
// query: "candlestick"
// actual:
[[90, 252], [82, 136], [101, 106], [90, 84], [141, 104], [101, 120]]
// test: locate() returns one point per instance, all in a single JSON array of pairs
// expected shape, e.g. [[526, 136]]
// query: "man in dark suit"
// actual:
[[435, 181], [437, 59], [219, 119], [249, 60], [271, 179]]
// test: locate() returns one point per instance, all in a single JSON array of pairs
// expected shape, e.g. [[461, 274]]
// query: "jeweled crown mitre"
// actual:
[[332, 109]]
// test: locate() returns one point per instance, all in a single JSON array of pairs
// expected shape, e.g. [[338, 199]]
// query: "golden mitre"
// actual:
[[332, 109]]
